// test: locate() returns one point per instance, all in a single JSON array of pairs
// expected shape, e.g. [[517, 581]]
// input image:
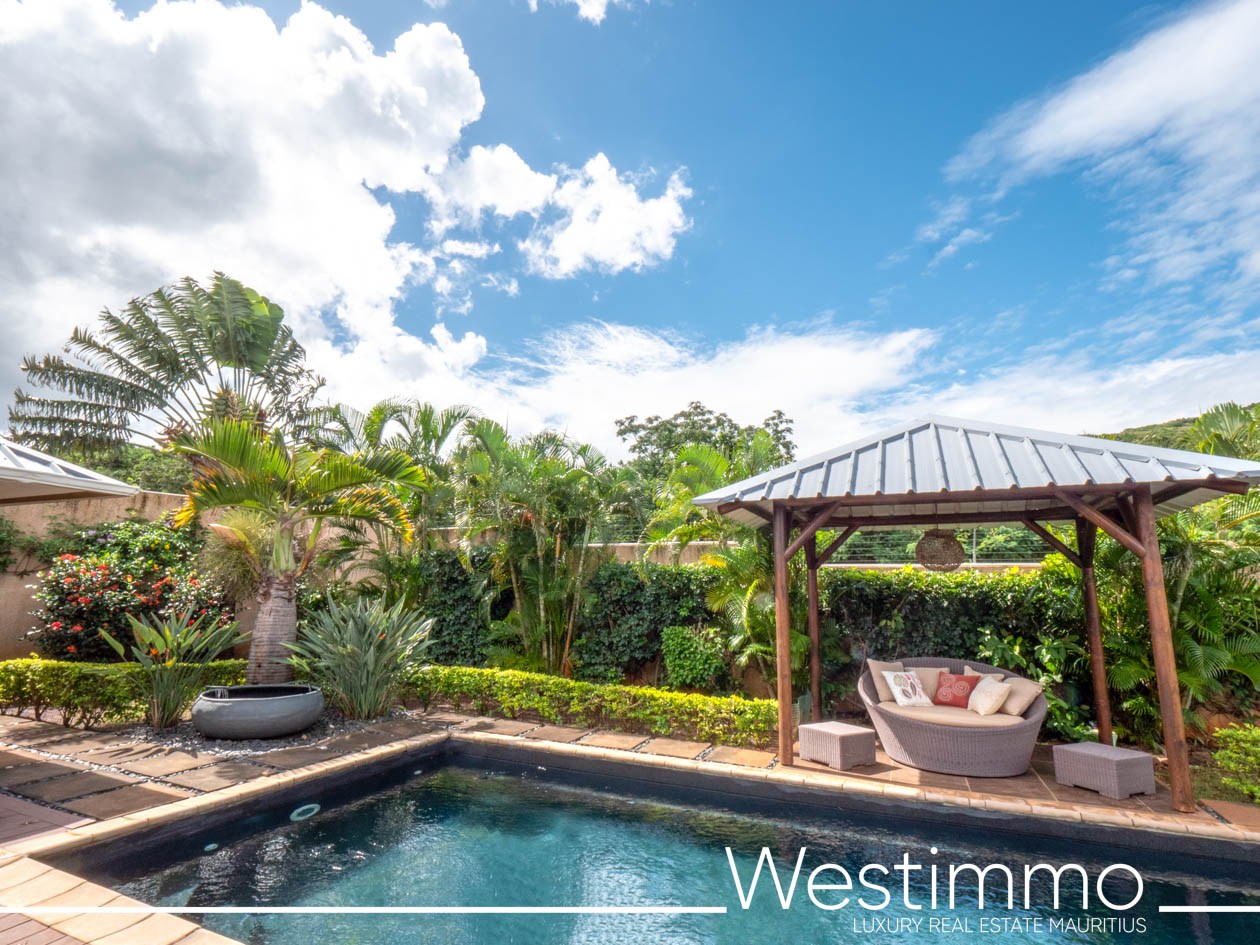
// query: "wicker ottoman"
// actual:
[[837, 744], [1111, 771]]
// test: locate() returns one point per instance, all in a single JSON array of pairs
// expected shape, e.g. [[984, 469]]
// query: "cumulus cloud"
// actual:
[[1169, 129], [201, 136], [605, 224]]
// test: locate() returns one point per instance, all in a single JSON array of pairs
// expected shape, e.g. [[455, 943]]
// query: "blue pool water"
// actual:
[[457, 836]]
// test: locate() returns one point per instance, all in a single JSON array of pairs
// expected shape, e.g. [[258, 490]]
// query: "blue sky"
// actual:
[[1046, 215]]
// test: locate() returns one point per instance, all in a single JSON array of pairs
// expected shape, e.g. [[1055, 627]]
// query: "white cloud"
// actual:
[[199, 136], [606, 225], [1170, 129], [948, 215], [1071, 394], [582, 378], [967, 236], [494, 179], [592, 11]]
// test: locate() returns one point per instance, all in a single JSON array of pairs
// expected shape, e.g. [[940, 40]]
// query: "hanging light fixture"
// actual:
[[939, 550]]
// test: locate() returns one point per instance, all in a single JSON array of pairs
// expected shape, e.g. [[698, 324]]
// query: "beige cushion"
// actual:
[[988, 696], [1023, 694], [930, 676], [996, 677], [877, 670], [906, 688], [950, 715]]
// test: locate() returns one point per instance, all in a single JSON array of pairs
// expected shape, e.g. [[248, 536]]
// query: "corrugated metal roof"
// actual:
[[929, 457], [27, 475]]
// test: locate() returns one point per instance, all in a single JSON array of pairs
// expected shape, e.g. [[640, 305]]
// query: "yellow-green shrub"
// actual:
[[730, 720], [83, 696]]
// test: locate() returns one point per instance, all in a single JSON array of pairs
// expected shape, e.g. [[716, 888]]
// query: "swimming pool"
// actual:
[[451, 835]]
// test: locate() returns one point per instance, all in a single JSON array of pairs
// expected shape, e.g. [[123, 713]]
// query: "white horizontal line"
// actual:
[[1209, 908], [366, 910]]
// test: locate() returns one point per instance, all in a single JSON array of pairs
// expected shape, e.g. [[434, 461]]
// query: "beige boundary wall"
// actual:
[[16, 602]]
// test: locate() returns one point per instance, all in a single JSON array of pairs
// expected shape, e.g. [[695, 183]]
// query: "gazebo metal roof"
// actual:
[[27, 475], [992, 472]]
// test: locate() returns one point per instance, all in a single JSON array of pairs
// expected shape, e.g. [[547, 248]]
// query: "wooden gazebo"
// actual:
[[941, 471]]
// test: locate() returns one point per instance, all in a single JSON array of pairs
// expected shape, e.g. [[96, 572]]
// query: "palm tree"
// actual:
[[420, 430], [541, 498], [699, 468], [290, 493], [164, 365]]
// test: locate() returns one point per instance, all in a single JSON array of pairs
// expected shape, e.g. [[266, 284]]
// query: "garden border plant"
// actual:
[[730, 720], [83, 697]]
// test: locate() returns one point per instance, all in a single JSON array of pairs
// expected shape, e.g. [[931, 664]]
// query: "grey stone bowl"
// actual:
[[256, 711]]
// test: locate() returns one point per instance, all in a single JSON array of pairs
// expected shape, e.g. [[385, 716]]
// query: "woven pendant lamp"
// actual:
[[939, 550]]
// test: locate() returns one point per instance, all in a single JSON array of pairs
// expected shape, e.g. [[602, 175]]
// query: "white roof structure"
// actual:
[[27, 475], [988, 471]]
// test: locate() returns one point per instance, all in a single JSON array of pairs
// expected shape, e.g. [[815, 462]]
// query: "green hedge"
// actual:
[[86, 698], [730, 720]]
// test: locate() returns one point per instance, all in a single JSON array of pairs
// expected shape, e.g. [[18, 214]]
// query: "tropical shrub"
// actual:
[[626, 608], [81, 696], [693, 657], [1239, 755], [358, 653], [1047, 662], [133, 568], [731, 720], [172, 654]]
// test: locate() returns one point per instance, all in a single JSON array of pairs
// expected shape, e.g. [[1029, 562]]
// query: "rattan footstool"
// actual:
[[837, 744], [1111, 771]]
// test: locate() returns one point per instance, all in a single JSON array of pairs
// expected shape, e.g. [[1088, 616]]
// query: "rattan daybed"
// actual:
[[993, 746]]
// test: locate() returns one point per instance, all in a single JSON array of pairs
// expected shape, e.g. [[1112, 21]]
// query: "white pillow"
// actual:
[[988, 696], [906, 688]]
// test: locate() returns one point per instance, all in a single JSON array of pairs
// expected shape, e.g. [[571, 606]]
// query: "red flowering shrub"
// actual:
[[137, 568]]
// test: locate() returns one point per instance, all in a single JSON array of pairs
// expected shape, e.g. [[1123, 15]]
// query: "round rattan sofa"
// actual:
[[997, 749]]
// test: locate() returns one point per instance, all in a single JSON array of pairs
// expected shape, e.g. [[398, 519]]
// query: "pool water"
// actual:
[[457, 836]]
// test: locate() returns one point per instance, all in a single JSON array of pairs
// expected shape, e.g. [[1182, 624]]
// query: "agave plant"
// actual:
[[359, 653], [172, 653]]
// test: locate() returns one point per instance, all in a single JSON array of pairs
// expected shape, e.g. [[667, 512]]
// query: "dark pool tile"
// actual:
[[74, 785]]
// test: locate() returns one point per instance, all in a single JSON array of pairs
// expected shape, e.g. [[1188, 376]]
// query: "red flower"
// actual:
[[71, 648], [77, 627], [56, 625]]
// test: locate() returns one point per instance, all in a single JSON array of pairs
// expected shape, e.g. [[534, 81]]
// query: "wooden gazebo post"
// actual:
[[782, 524], [1086, 541], [1165, 656]]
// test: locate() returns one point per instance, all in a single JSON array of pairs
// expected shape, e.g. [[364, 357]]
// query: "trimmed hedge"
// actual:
[[86, 698], [730, 720]]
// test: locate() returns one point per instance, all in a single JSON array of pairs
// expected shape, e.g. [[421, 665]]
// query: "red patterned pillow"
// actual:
[[955, 689]]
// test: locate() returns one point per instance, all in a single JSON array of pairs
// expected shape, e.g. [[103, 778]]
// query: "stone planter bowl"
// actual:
[[256, 711]]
